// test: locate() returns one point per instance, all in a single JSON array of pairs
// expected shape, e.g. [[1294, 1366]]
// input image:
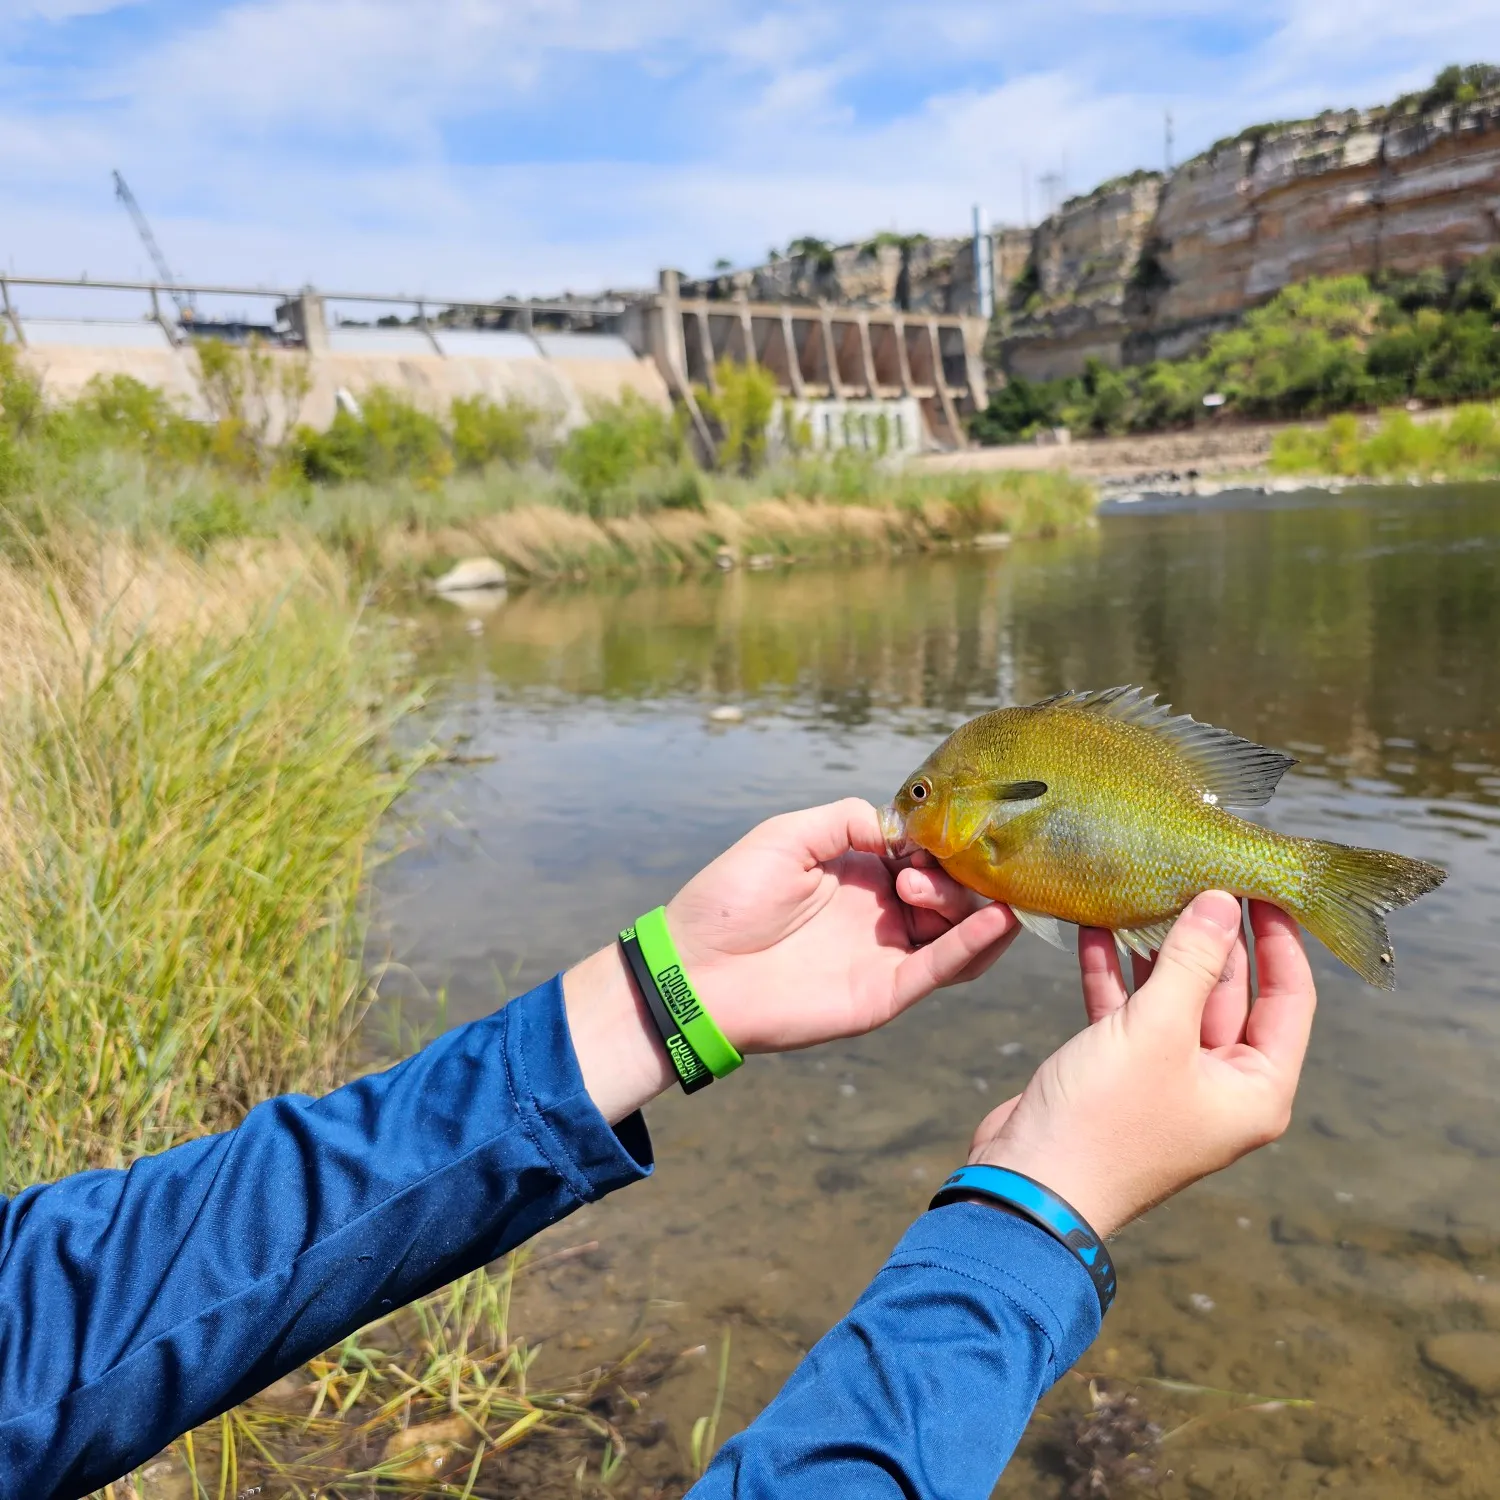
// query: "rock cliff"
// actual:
[[1389, 190], [1148, 266]]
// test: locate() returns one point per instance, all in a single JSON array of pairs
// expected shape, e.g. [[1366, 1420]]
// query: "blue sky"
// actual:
[[487, 146]]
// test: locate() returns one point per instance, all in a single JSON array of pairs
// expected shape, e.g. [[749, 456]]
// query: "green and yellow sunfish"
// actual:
[[1106, 809]]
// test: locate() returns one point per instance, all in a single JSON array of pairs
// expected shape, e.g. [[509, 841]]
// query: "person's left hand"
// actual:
[[803, 931]]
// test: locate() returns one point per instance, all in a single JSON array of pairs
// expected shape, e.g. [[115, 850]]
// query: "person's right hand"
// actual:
[[1173, 1082]]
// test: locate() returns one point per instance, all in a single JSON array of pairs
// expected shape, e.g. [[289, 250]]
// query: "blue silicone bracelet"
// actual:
[[1045, 1209]]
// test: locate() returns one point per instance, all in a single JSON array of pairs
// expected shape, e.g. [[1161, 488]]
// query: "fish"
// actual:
[[1107, 810]]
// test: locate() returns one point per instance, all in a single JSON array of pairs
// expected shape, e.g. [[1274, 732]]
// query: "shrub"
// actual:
[[389, 439], [741, 409], [623, 439], [485, 431], [1466, 444]]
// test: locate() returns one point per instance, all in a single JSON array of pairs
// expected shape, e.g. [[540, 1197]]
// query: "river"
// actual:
[[1359, 632]]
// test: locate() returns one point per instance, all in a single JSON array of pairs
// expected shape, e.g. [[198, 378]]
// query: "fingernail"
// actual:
[[1218, 907]]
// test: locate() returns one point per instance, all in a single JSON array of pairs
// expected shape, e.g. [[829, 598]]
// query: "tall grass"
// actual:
[[193, 760], [538, 525], [394, 489], [1462, 445], [442, 1398]]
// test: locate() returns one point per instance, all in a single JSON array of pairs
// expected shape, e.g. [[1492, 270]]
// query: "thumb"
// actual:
[[1189, 964], [992, 1124]]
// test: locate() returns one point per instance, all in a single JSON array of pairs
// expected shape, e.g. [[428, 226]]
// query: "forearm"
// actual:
[[620, 1055], [136, 1304], [926, 1386]]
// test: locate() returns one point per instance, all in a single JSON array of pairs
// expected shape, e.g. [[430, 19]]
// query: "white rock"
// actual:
[[726, 713], [471, 573]]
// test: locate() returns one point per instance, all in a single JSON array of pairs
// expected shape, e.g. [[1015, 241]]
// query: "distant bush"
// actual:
[[122, 412], [486, 432], [389, 439], [1464, 445], [740, 408], [1320, 346], [624, 441]]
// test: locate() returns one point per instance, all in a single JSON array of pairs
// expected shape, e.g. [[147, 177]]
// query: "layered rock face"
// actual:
[[914, 272], [1149, 266], [1367, 192], [1073, 297]]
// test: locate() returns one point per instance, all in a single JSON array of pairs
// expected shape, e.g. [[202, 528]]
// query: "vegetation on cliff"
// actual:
[[1320, 346]]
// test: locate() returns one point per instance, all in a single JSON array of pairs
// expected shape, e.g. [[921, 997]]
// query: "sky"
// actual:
[[495, 147]]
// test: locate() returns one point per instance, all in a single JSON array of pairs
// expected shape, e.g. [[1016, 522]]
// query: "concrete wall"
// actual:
[[564, 384]]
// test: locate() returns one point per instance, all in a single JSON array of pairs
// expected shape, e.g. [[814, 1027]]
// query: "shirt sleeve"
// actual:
[[925, 1387], [136, 1304]]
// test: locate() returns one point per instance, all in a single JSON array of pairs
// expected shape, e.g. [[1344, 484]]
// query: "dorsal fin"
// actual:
[[1237, 772]]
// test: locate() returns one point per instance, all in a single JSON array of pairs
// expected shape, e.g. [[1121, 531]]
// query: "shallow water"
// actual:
[[1359, 632]]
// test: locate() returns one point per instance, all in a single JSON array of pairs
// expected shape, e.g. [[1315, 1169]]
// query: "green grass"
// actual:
[[1464, 444], [396, 491], [193, 763], [535, 521], [436, 1399]]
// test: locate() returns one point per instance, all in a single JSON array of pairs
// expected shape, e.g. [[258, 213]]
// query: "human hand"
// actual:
[[1173, 1082], [803, 931], [799, 933]]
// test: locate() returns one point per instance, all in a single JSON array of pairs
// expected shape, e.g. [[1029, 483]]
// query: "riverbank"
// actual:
[[402, 532], [1429, 444], [401, 495]]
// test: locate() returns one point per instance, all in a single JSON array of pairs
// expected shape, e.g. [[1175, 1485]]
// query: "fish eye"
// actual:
[[920, 791]]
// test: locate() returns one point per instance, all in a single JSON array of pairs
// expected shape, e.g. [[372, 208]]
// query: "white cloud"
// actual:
[[334, 140]]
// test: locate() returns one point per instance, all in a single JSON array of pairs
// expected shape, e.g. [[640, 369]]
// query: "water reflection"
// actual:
[[1358, 632], [1361, 631]]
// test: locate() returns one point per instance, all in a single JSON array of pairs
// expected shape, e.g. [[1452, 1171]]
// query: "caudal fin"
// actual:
[[1352, 889]]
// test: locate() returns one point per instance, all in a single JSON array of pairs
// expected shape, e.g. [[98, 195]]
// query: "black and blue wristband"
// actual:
[[1027, 1197]]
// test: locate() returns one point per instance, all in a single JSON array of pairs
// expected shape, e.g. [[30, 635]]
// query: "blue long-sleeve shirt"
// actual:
[[136, 1304]]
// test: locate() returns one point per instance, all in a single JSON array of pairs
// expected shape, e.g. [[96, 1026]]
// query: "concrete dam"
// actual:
[[847, 377]]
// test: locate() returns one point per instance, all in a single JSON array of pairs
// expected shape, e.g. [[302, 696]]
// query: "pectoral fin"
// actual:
[[1019, 791], [971, 817]]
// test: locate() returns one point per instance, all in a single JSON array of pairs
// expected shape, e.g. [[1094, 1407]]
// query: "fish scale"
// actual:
[[1106, 810]]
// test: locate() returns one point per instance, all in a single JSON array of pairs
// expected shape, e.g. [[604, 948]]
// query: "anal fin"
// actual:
[[1145, 940], [1049, 929]]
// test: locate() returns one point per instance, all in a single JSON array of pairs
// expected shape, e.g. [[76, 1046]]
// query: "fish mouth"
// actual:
[[893, 831]]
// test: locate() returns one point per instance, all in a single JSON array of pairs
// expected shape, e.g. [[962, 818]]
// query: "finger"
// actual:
[[936, 891], [1228, 1007], [1281, 1020], [985, 958], [1189, 964], [822, 834], [1140, 970], [945, 960], [1099, 968]]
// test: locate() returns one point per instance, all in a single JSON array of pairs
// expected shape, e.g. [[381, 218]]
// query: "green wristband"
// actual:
[[676, 990]]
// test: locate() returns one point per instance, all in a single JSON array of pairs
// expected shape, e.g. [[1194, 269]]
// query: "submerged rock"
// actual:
[[1472, 1359], [471, 573]]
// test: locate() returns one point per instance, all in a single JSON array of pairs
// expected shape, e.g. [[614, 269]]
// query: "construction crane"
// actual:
[[187, 309]]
